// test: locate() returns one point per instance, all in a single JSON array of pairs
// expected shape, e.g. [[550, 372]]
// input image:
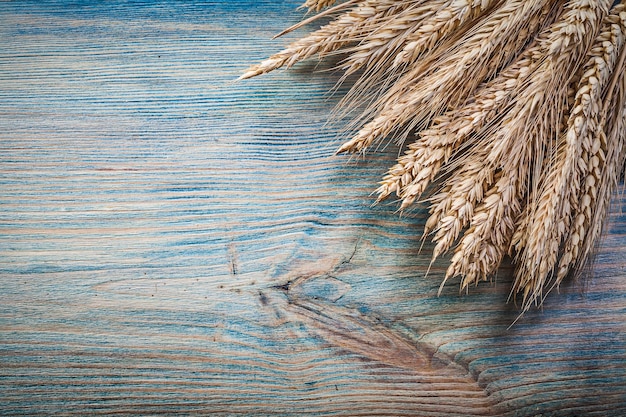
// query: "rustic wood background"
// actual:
[[172, 242]]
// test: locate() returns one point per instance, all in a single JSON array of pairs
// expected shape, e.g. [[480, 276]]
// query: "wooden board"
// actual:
[[172, 242]]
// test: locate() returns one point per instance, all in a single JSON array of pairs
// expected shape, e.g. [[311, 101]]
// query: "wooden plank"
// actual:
[[173, 242]]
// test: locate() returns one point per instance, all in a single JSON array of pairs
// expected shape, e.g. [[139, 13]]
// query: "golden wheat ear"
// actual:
[[345, 29], [317, 5], [519, 114]]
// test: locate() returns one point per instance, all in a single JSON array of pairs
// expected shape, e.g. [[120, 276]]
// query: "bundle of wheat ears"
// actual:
[[516, 111]]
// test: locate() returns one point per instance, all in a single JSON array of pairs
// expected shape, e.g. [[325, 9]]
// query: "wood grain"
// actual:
[[172, 242]]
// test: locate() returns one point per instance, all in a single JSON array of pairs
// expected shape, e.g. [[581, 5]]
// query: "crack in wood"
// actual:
[[309, 294]]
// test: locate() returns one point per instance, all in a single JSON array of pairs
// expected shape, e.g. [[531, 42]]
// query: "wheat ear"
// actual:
[[599, 160], [568, 44], [426, 90], [478, 178], [466, 188], [379, 47], [317, 5], [424, 158], [520, 111], [615, 139], [560, 192], [444, 23], [460, 201], [348, 27]]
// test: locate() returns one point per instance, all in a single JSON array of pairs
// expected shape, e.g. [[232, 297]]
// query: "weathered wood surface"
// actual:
[[173, 242]]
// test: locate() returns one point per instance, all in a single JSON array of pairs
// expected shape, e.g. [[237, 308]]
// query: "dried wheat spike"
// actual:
[[590, 203], [485, 243], [478, 169], [448, 80], [424, 158], [453, 208], [444, 23], [520, 235], [612, 166], [498, 148], [348, 27], [595, 198], [573, 35], [562, 191], [317, 5], [514, 138], [378, 48]]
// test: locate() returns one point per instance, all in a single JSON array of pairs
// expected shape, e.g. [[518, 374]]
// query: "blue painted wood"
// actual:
[[174, 242]]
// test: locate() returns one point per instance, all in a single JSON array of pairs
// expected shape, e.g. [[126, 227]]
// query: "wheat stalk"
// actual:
[[520, 114]]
